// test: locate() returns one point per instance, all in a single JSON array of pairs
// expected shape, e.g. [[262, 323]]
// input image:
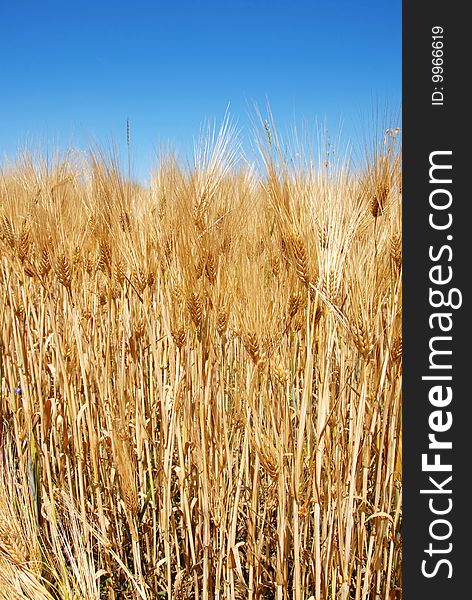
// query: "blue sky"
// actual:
[[72, 72]]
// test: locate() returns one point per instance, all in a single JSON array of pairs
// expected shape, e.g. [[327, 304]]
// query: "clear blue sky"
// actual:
[[73, 71]]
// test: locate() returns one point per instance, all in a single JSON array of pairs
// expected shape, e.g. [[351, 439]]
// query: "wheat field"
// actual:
[[201, 377]]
